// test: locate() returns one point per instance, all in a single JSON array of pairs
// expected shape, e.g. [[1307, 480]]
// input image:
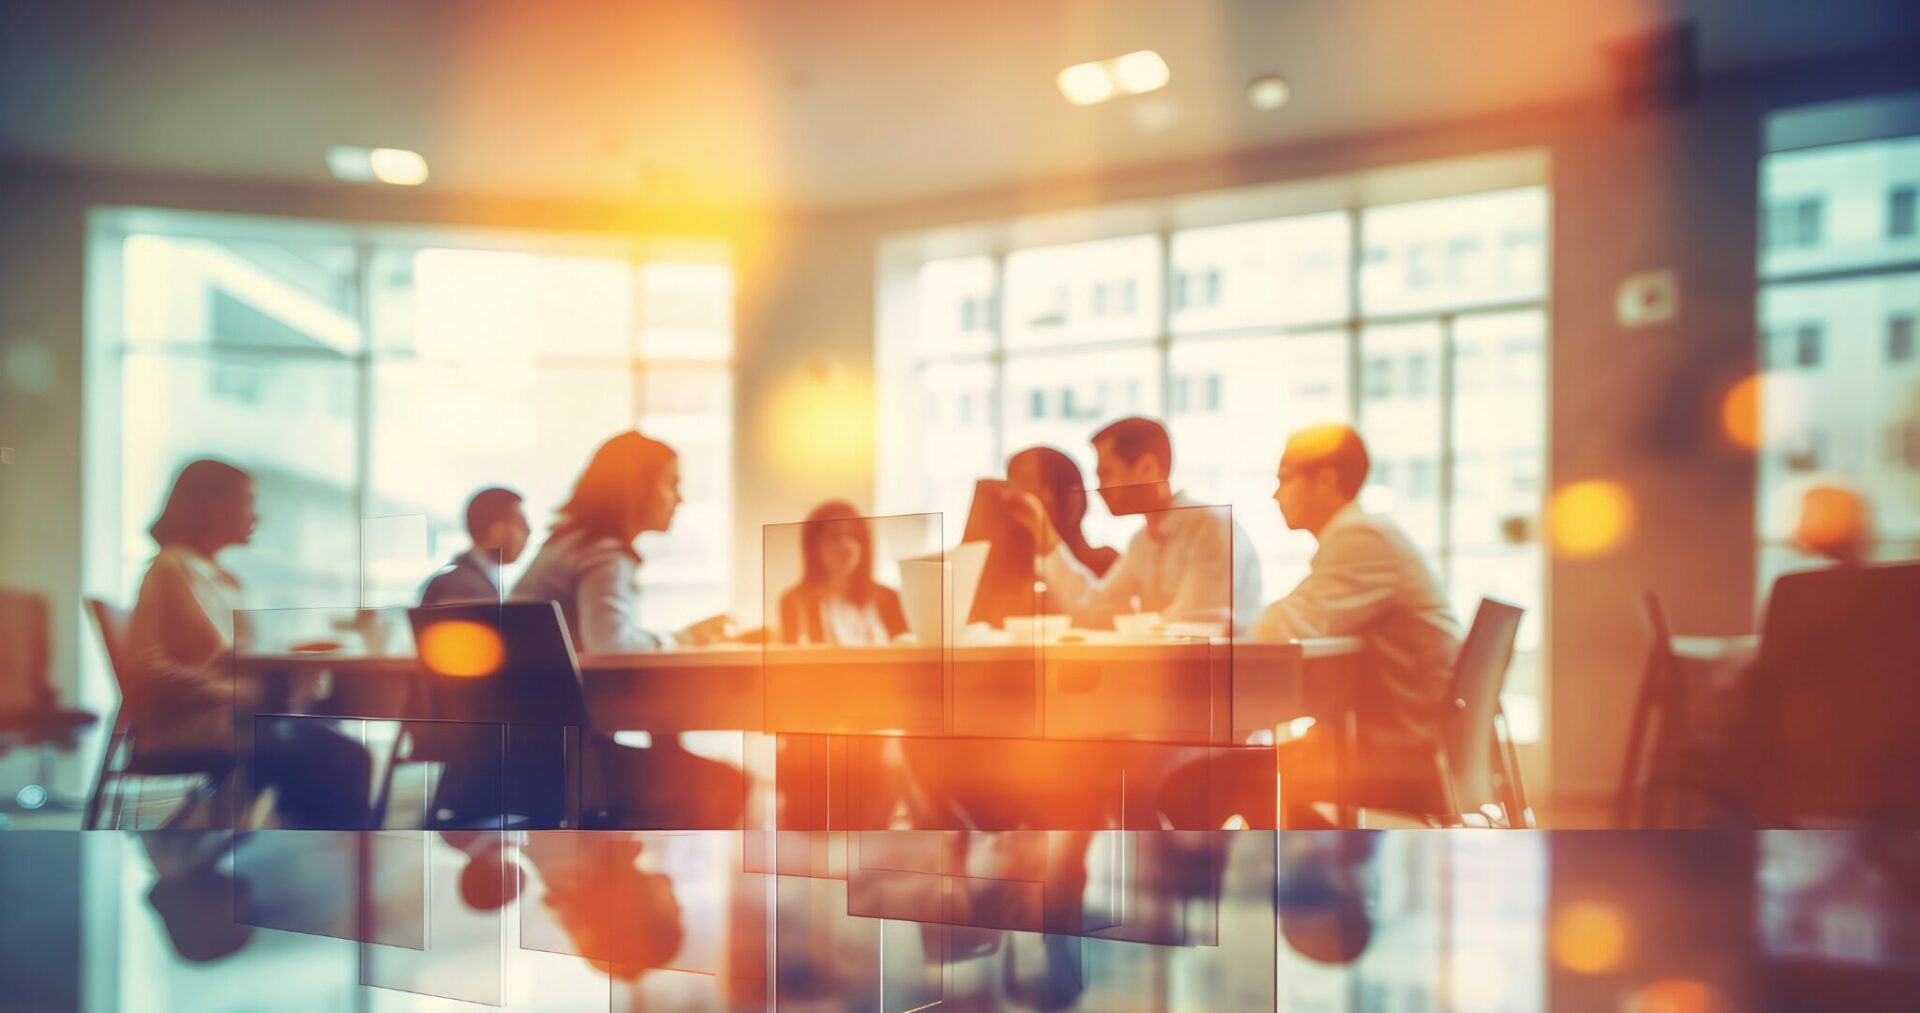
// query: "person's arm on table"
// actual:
[[1354, 578]]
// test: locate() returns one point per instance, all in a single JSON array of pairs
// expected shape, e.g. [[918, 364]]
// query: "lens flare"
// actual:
[[1678, 995], [462, 648], [1740, 413], [1589, 938], [1589, 519]]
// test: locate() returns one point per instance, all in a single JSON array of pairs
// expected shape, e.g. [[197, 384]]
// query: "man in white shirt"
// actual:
[[1190, 563], [1366, 580]]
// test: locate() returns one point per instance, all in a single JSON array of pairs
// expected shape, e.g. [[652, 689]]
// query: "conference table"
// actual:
[[1075, 710]]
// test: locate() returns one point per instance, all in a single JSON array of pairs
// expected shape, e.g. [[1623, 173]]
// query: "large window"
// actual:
[[1840, 377], [1420, 320], [372, 378]]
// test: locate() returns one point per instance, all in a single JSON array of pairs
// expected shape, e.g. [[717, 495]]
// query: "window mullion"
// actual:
[[362, 304]]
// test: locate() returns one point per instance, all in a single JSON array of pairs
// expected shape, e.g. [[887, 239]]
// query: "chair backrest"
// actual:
[[499, 664], [1466, 724], [113, 623], [1656, 684], [1839, 672], [25, 655]]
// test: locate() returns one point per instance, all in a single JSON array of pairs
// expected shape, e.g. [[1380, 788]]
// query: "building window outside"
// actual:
[[1246, 331], [1900, 212], [1841, 382], [363, 373]]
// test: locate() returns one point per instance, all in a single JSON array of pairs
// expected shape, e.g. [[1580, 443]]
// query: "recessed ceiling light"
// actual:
[[397, 166], [1268, 92], [1132, 74], [1140, 72], [1086, 83]]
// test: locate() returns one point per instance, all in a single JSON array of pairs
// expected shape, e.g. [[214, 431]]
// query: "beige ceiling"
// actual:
[[802, 102]]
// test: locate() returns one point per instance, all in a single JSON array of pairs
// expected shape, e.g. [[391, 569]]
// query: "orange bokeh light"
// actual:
[[1740, 413], [1589, 519], [1833, 520], [1678, 995], [462, 648], [1589, 937]]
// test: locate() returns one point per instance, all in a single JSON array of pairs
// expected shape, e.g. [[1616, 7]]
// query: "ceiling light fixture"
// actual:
[[1141, 72], [1135, 73], [1268, 92], [395, 166], [1086, 83]]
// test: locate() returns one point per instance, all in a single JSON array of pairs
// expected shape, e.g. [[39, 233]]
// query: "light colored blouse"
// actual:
[[593, 578], [182, 627], [848, 624]]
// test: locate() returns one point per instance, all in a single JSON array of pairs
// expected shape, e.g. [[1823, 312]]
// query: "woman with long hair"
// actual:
[[1052, 477], [588, 565], [181, 636], [837, 601]]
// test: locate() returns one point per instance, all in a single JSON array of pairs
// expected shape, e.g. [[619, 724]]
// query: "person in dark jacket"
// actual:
[[497, 523]]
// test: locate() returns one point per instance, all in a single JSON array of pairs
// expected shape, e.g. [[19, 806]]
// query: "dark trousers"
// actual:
[[521, 777], [321, 775]]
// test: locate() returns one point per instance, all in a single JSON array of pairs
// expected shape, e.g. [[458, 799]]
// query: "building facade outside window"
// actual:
[[1840, 384], [371, 377], [1244, 331]]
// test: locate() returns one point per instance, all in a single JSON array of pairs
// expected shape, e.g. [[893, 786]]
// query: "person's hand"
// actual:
[[1030, 514], [710, 630]]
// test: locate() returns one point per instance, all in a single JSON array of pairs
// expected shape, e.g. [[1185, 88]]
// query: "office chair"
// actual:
[[1476, 766], [506, 716], [30, 714], [1838, 678], [210, 769]]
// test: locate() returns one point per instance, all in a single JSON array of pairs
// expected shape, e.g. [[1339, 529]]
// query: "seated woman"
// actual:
[[182, 694], [837, 600], [588, 566], [1052, 477]]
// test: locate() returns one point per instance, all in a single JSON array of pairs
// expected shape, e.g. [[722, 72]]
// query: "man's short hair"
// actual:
[[1332, 445], [488, 507], [1134, 437]]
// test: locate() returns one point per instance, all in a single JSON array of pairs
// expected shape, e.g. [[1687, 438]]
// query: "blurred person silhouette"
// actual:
[[1052, 478], [1190, 563], [837, 601], [589, 566], [1367, 580], [615, 913], [194, 897], [497, 524], [181, 637]]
